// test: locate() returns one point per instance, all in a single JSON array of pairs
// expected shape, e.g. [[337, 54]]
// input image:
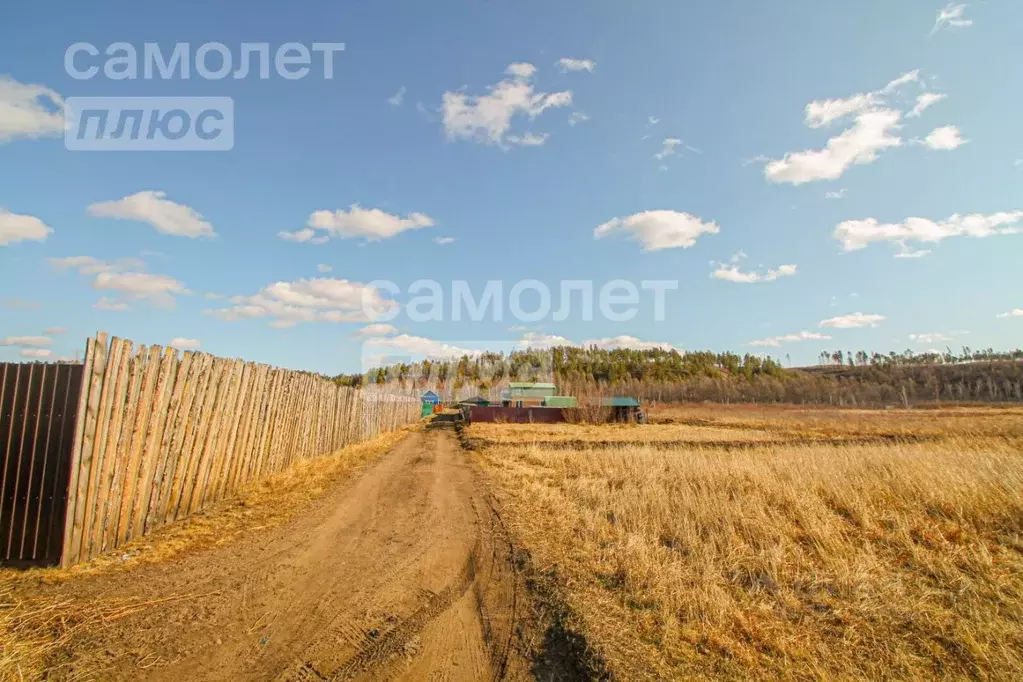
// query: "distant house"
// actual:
[[525, 394], [624, 409], [429, 400]]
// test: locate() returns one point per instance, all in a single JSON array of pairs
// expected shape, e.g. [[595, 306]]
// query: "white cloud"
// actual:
[[55, 331], [918, 253], [324, 268], [110, 304], [377, 330], [925, 101], [950, 17], [36, 353], [840, 194], [871, 134], [653, 120], [945, 138], [541, 341], [904, 79], [873, 131], [158, 290], [775, 341], [308, 300], [397, 98], [487, 119], [528, 139], [87, 265], [1015, 312], [303, 235], [418, 345], [820, 113], [237, 312], [577, 117], [668, 146], [371, 224], [628, 342], [858, 234], [181, 343], [521, 70], [26, 341], [16, 228], [125, 277], [567, 64], [732, 273], [657, 230], [443, 241], [29, 111], [154, 208], [853, 321], [931, 337]]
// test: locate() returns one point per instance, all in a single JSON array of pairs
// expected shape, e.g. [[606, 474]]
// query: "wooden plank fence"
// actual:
[[37, 404], [100, 453], [160, 438]]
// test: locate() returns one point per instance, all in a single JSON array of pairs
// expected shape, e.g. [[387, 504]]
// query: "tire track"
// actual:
[[391, 643]]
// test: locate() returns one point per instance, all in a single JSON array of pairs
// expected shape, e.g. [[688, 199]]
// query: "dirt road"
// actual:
[[399, 573]]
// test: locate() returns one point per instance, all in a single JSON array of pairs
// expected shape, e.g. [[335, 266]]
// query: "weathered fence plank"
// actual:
[[82, 454], [126, 400], [114, 390], [163, 413], [142, 397], [171, 444]]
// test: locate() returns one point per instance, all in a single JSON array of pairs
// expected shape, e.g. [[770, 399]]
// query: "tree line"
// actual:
[[842, 378], [908, 357]]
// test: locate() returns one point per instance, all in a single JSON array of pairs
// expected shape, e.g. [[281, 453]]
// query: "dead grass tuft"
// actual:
[[32, 628], [810, 560], [626, 434]]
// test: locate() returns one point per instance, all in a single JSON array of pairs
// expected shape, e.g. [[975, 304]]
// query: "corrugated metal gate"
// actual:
[[38, 403]]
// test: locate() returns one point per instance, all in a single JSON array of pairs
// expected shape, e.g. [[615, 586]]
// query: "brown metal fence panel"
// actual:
[[37, 405], [516, 415]]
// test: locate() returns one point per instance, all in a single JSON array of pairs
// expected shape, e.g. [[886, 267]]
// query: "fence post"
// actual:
[[81, 448]]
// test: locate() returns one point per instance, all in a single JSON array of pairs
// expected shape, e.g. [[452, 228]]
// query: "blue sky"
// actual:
[[728, 83]]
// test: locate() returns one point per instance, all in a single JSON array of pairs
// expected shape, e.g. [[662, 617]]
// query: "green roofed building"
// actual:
[[619, 401], [524, 394], [624, 409], [559, 401]]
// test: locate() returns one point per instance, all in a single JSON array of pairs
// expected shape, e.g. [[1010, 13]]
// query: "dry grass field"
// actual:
[[744, 542]]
